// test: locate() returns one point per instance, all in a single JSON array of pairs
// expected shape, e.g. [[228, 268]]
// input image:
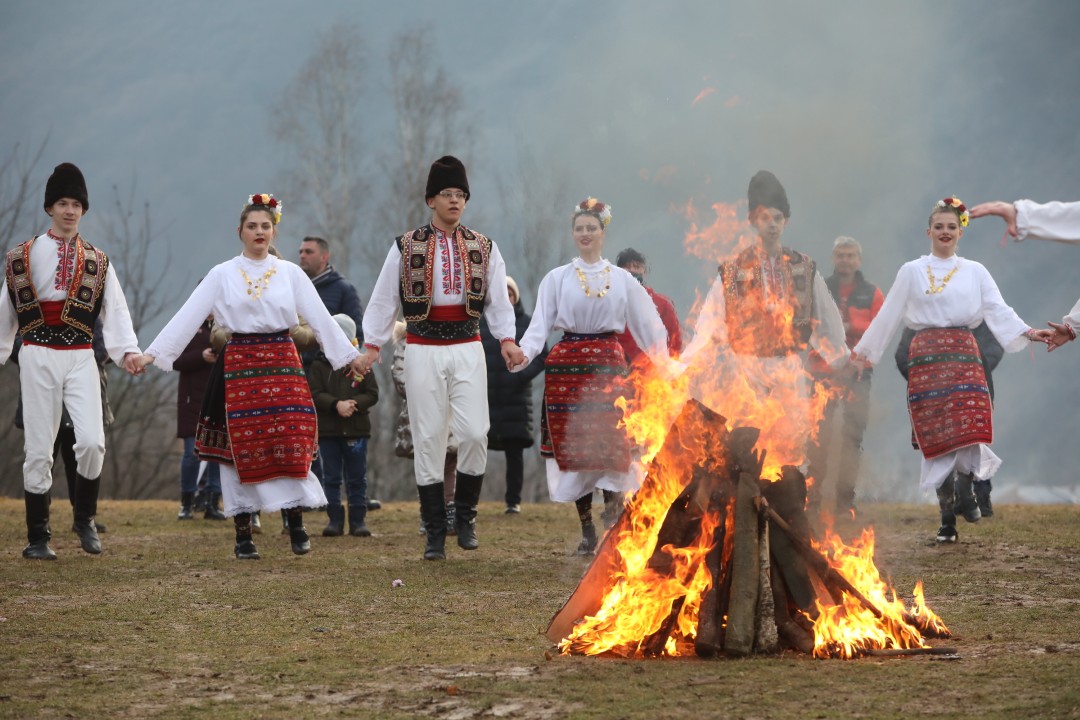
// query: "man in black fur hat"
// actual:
[[57, 287], [767, 307], [443, 277]]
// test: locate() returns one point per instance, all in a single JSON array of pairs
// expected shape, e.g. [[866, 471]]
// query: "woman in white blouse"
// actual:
[[942, 296], [258, 419], [590, 301]]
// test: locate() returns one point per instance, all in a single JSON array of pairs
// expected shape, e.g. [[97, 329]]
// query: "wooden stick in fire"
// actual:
[[819, 562]]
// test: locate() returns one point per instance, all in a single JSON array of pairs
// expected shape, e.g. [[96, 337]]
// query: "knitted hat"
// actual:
[[512, 284], [66, 181], [446, 172], [766, 191], [347, 325]]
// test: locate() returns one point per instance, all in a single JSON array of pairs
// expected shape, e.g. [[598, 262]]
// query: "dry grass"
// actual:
[[167, 624]]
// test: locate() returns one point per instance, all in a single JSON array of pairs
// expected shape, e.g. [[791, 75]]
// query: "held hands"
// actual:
[[362, 365], [1004, 210], [346, 408], [1059, 334], [859, 363], [512, 355], [134, 363]]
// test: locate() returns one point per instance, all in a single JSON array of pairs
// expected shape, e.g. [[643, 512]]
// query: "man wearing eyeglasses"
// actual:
[[441, 276]]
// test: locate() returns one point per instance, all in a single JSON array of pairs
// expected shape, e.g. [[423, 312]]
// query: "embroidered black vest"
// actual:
[[81, 308], [774, 325], [417, 276]]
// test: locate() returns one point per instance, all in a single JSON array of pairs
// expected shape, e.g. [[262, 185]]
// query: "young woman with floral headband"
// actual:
[[942, 296], [258, 419], [590, 300]]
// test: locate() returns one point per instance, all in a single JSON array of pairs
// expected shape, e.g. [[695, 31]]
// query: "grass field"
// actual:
[[166, 623]]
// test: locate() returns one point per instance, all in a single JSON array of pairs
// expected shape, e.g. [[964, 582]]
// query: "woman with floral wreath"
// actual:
[[591, 301], [258, 418], [943, 296]]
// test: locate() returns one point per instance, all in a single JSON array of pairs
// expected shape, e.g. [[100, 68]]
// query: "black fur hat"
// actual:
[[766, 191], [66, 181], [446, 172]]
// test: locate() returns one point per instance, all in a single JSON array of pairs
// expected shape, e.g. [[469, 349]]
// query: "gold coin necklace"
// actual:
[[934, 288], [255, 287], [584, 282]]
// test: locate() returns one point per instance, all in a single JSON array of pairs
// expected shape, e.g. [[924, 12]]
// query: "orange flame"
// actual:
[[849, 628]]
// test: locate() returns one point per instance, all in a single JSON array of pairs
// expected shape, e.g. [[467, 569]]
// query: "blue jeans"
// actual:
[[344, 457], [189, 471]]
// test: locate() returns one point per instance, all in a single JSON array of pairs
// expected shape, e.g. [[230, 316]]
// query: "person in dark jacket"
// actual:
[[342, 404], [510, 401], [194, 365]]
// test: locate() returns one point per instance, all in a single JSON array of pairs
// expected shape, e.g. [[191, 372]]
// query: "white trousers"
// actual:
[[51, 379], [446, 389]]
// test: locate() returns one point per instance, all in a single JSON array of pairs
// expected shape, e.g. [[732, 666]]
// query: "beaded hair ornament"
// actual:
[[954, 203], [267, 201], [592, 206]]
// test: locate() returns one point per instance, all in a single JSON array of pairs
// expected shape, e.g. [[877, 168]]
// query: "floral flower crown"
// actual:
[[267, 201], [592, 206], [955, 204]]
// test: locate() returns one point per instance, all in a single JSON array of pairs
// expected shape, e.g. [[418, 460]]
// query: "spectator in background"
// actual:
[[634, 263], [848, 408], [342, 403], [195, 364], [510, 401], [339, 296]]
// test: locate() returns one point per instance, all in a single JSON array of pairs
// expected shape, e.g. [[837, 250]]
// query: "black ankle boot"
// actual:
[[213, 511], [965, 503], [335, 526], [38, 533], [466, 498], [587, 546], [245, 546], [186, 500], [86, 496], [301, 543], [433, 516]]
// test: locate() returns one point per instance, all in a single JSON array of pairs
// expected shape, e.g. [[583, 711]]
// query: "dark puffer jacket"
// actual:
[[328, 387], [510, 394], [194, 374]]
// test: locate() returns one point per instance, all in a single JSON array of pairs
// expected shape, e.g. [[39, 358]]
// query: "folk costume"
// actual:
[[441, 281], [1056, 221], [259, 418], [585, 372], [763, 313], [56, 289], [948, 397]]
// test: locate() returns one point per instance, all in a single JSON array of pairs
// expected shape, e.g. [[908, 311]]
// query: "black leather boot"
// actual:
[[982, 495], [245, 546], [357, 526], [38, 533], [186, 501], [466, 498], [335, 526], [86, 496], [301, 543], [213, 509], [946, 499], [433, 515], [965, 503], [613, 507], [587, 546]]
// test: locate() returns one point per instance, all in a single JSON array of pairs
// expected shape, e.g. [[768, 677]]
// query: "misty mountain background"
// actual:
[[867, 112]]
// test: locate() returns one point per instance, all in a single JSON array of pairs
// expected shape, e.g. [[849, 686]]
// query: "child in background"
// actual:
[[342, 403]]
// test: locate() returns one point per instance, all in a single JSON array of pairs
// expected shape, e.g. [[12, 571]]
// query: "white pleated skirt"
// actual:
[[269, 495]]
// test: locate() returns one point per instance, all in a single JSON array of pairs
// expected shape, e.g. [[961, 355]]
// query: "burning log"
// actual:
[[743, 597], [789, 495], [710, 616], [819, 562]]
